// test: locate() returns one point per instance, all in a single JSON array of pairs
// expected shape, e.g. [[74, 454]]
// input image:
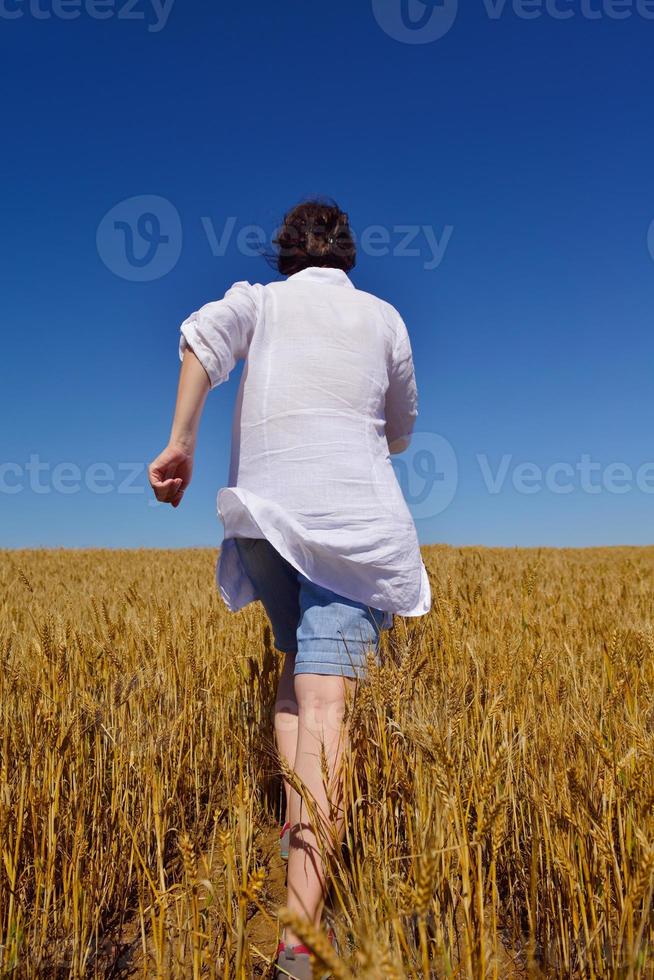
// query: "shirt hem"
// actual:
[[235, 503]]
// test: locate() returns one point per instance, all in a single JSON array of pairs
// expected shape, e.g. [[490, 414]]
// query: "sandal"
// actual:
[[294, 962]]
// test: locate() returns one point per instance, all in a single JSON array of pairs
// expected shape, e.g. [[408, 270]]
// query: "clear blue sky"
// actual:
[[525, 147]]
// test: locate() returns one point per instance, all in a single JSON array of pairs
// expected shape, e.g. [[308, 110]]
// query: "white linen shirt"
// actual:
[[327, 393]]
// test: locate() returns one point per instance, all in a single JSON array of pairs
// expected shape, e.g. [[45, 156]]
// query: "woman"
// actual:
[[315, 525]]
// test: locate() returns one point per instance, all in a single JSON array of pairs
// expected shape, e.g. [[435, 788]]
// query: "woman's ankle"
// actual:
[[316, 922], [289, 938]]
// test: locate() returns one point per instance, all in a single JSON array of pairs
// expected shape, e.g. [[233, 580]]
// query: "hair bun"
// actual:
[[315, 233]]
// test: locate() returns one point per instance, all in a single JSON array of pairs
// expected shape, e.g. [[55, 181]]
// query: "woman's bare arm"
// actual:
[[170, 473]]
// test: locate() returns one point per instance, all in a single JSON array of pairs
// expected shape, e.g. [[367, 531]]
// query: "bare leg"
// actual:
[[286, 719], [321, 703]]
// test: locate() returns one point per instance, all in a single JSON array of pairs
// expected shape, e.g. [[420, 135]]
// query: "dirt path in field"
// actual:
[[132, 961], [263, 935], [262, 931]]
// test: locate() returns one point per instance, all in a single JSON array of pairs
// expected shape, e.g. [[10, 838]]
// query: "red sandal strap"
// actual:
[[300, 948]]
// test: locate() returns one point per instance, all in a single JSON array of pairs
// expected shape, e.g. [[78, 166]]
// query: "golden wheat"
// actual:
[[498, 792]]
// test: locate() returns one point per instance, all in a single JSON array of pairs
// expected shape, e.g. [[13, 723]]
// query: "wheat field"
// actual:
[[499, 788]]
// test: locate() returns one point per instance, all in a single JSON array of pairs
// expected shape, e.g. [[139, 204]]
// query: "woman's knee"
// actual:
[[321, 700]]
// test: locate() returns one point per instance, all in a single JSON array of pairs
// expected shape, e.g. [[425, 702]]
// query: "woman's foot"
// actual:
[[284, 840], [294, 962]]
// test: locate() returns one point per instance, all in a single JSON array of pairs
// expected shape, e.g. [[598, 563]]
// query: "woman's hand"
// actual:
[[170, 474]]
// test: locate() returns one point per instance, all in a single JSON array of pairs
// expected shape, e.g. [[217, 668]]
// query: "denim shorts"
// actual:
[[328, 633]]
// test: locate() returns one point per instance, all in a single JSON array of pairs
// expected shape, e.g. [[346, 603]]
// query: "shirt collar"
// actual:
[[325, 275]]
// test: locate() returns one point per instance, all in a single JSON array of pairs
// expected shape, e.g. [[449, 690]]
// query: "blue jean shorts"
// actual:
[[328, 633]]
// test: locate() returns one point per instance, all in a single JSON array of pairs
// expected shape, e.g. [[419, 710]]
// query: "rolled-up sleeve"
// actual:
[[402, 393], [219, 333]]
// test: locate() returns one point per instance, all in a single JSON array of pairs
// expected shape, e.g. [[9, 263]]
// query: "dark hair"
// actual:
[[314, 233]]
